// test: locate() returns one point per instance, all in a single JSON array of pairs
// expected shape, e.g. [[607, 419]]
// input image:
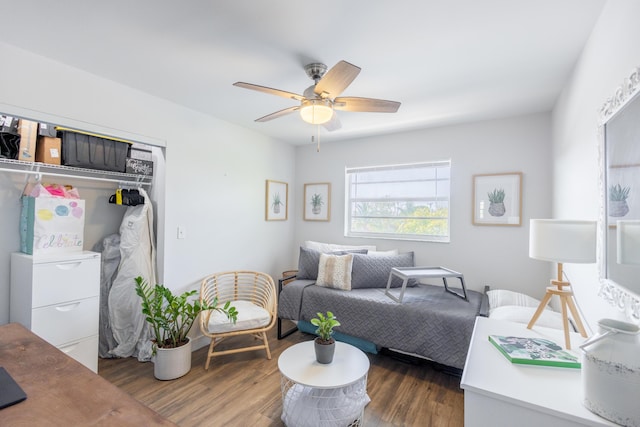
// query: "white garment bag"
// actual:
[[138, 258]]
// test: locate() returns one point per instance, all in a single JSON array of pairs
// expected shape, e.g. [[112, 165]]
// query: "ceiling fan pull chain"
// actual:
[[318, 131]]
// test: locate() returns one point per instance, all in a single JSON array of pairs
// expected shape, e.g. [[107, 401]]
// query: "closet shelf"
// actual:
[[40, 169]]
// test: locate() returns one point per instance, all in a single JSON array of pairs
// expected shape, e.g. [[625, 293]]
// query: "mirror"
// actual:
[[619, 224]]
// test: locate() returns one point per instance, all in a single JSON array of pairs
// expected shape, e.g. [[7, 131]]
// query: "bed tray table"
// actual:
[[406, 273]]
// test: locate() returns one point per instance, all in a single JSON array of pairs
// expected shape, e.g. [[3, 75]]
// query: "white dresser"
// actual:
[[498, 393], [58, 298]]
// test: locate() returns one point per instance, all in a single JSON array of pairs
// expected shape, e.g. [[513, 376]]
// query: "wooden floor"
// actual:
[[244, 390]]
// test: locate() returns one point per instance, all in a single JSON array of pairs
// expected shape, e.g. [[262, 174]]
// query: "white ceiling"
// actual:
[[447, 61]]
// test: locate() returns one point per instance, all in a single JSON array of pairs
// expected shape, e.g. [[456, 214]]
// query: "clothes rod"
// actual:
[[40, 173]]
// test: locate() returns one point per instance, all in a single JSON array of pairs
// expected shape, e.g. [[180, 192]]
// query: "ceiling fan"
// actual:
[[318, 102]]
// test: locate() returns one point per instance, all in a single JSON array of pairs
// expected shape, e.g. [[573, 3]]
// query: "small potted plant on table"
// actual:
[[171, 318], [325, 344]]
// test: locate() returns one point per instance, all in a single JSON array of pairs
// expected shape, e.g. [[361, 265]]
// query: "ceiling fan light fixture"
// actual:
[[316, 111]]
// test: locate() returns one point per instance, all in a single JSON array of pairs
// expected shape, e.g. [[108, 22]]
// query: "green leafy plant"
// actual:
[[325, 325], [618, 194], [276, 200], [316, 200], [496, 196], [172, 316]]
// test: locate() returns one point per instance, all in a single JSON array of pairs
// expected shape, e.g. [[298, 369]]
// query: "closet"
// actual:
[[57, 296]]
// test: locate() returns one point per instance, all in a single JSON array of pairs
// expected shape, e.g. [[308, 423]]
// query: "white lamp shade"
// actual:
[[563, 240], [316, 111], [628, 242]]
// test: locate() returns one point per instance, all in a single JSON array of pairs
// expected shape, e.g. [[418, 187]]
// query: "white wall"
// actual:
[[608, 58], [494, 255], [214, 177]]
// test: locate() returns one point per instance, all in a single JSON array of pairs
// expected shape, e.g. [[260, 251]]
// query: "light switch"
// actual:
[[182, 232]]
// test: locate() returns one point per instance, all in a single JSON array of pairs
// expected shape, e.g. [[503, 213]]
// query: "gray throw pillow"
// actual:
[[309, 259], [373, 271]]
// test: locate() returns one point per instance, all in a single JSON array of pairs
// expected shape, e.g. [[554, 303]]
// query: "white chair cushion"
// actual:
[[250, 316]]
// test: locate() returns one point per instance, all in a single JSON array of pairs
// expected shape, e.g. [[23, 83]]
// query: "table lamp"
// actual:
[[562, 241]]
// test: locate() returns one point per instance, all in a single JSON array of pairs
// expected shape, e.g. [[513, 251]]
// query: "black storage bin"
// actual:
[[93, 152]]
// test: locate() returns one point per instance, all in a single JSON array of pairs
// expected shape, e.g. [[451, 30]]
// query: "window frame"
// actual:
[[348, 215]]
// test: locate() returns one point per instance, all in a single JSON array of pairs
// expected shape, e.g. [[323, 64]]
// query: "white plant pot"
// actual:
[[172, 363]]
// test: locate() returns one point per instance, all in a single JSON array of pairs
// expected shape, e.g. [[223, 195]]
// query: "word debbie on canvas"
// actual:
[[59, 240]]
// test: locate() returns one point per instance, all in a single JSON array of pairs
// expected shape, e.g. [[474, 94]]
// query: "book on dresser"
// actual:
[[534, 351]]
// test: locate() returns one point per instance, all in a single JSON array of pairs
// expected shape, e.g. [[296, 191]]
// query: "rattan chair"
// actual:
[[253, 294]]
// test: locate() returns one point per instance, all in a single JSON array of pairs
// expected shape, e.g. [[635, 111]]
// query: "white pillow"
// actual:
[[383, 253], [501, 297], [520, 314], [334, 271], [332, 247]]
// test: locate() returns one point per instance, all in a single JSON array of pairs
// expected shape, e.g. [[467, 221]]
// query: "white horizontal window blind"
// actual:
[[409, 201]]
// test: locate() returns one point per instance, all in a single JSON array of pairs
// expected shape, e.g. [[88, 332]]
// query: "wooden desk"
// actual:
[[61, 391]]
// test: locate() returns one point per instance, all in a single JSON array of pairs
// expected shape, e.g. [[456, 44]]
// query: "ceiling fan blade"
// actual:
[[278, 114], [333, 124], [370, 105], [336, 80], [270, 91]]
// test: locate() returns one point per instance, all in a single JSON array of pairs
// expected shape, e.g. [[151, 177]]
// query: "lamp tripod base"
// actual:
[[559, 288]]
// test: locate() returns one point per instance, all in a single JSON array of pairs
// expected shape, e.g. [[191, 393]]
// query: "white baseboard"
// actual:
[[199, 341]]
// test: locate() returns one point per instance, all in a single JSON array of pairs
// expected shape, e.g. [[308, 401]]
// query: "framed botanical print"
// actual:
[[317, 201], [497, 199], [276, 201]]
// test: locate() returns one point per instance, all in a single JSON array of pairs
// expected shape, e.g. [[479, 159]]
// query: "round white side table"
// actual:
[[319, 395]]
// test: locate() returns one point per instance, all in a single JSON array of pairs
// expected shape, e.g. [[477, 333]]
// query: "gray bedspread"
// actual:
[[429, 322]]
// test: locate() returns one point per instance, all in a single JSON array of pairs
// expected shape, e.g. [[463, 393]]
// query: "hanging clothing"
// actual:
[[138, 258], [109, 249]]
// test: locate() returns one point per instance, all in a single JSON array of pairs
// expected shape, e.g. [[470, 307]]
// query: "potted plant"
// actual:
[[496, 202], [316, 203], [618, 195], [276, 202], [171, 318], [325, 344]]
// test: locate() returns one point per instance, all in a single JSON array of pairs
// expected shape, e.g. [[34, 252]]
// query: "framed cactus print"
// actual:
[[276, 201], [497, 199], [317, 201]]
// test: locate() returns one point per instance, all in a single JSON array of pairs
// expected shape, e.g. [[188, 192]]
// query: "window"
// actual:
[[408, 202]]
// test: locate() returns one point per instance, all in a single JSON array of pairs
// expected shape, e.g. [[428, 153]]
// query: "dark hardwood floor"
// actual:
[[244, 390]]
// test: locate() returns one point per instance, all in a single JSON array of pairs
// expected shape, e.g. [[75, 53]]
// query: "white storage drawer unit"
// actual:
[[58, 298]]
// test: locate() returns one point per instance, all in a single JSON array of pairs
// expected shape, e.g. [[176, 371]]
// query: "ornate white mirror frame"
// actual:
[[617, 294]]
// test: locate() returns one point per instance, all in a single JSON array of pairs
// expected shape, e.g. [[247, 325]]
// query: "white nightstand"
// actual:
[[499, 393]]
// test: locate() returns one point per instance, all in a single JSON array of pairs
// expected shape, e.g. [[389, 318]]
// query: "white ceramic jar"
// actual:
[[611, 372]]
